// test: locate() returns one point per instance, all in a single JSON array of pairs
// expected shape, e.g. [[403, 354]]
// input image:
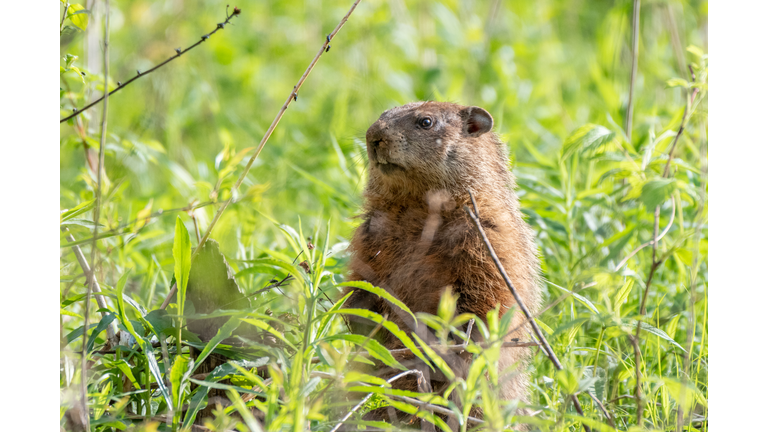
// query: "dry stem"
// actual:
[[633, 73], [100, 300], [544, 344], [96, 215]]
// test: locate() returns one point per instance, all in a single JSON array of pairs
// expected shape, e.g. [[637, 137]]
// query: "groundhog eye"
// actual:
[[426, 122]]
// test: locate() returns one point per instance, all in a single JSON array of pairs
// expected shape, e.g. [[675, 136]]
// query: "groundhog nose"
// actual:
[[376, 135]]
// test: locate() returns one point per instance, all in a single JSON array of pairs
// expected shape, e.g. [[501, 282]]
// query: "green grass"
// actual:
[[555, 76]]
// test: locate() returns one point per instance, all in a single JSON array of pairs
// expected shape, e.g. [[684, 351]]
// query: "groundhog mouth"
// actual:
[[388, 168]]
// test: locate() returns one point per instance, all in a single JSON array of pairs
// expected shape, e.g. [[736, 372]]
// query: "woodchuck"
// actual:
[[416, 240]]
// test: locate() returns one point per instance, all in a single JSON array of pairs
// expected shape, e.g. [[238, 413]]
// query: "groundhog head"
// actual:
[[423, 146]]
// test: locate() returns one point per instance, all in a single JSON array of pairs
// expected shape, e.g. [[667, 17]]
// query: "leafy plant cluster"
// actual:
[[626, 315]]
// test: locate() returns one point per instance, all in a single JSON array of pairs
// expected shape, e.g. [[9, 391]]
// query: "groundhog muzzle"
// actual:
[[416, 241]]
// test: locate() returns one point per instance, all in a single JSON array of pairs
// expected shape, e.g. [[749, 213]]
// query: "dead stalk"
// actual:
[[100, 300], [543, 341], [96, 215], [633, 73]]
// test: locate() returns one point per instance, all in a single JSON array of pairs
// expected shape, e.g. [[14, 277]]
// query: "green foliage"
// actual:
[[555, 76]]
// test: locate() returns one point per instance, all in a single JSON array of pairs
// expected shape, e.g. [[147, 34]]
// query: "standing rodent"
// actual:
[[416, 240]]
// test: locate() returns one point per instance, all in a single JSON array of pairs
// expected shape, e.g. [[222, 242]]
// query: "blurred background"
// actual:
[[541, 68]]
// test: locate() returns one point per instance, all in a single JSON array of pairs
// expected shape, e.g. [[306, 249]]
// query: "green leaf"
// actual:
[[547, 329], [121, 310], [583, 300], [154, 369], [180, 366], [325, 318], [693, 49], [77, 210], [389, 325], [182, 262], [656, 192], [221, 386], [78, 15], [435, 357], [69, 60], [68, 313], [103, 324], [689, 394], [586, 138], [656, 331], [178, 371], [678, 82], [363, 285], [265, 266], [126, 369], [245, 412], [264, 326], [374, 348], [224, 332], [621, 296]]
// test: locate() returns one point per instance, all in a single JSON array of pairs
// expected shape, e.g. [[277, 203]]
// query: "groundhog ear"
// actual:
[[477, 121]]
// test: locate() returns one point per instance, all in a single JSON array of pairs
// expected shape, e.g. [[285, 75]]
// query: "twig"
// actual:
[[602, 408], [435, 408], [650, 242], [633, 73], [470, 324], [140, 74], [544, 344], [682, 123], [96, 215], [292, 97], [100, 300], [63, 17], [368, 396]]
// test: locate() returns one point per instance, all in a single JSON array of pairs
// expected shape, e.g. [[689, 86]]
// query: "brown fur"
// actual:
[[416, 240]]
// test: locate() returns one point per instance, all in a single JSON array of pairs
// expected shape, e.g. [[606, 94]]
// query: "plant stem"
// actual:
[[96, 215], [633, 73], [63, 17], [544, 344]]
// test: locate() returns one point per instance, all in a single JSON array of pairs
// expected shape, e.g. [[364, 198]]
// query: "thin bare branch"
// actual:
[[63, 17], [475, 216], [602, 408], [650, 242], [368, 396], [96, 214], [291, 98], [100, 299], [140, 74], [633, 73]]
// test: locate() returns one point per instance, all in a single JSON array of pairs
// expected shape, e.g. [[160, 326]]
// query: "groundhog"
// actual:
[[416, 240]]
